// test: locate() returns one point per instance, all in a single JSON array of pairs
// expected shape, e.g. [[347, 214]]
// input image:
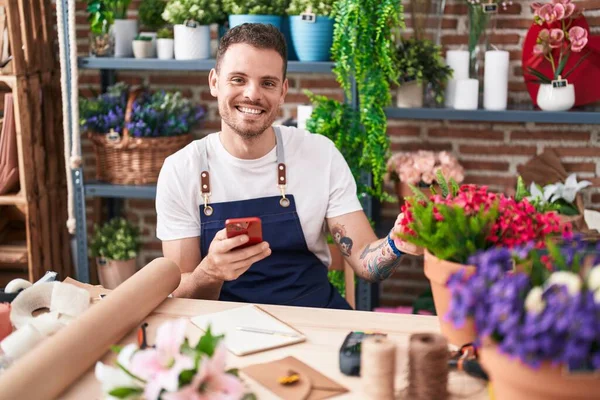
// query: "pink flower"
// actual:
[[556, 38], [428, 177], [211, 382], [541, 50], [446, 158], [578, 38], [424, 161], [568, 5], [161, 366], [551, 12], [410, 175]]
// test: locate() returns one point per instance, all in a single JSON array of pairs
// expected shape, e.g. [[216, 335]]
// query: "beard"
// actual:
[[247, 129]]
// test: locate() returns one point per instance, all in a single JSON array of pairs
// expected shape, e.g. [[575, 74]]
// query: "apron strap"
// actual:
[[205, 178]]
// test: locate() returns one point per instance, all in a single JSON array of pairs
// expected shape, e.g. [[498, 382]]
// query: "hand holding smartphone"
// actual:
[[251, 226]]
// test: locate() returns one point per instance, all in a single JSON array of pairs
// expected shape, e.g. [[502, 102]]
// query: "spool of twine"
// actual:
[[428, 367], [378, 368]]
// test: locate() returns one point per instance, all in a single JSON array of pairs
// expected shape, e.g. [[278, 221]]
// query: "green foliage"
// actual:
[[143, 38], [318, 7], [164, 33], [204, 12], [208, 343], [125, 392], [255, 7], [421, 60], [100, 16], [115, 240], [337, 279], [363, 48], [150, 14], [522, 191]]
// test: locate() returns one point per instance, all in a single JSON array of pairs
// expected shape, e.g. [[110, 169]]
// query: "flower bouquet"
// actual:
[[539, 328], [134, 131], [173, 369], [559, 197], [420, 169], [460, 221], [559, 37]]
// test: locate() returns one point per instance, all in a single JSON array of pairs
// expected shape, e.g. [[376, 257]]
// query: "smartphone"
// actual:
[[251, 226]]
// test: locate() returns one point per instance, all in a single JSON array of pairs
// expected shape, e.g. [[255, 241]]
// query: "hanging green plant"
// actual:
[[363, 48]]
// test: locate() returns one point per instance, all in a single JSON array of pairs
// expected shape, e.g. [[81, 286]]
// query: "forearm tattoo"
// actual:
[[379, 261], [344, 242]]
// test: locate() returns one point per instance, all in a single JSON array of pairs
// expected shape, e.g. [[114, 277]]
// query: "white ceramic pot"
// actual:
[[142, 48], [192, 43], [124, 31], [409, 95], [153, 36], [164, 48], [550, 98]]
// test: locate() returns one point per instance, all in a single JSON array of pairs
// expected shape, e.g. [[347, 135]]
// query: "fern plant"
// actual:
[[363, 48]]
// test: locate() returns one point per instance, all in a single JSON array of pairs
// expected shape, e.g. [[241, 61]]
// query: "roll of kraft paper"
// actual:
[[50, 368], [495, 80]]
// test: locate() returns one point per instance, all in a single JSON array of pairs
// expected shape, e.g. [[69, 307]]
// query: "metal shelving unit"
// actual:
[[511, 115]]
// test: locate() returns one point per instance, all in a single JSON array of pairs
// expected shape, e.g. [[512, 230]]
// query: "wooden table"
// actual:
[[325, 331]]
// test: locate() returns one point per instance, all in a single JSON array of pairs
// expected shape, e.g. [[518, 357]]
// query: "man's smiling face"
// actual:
[[250, 88]]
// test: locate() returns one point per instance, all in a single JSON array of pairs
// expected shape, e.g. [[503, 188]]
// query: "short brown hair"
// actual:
[[262, 36]]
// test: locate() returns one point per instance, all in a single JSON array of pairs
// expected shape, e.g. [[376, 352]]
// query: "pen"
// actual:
[[266, 331]]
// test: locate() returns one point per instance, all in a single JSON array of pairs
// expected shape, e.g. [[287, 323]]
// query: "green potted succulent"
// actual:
[[255, 11], [150, 16], [115, 245], [165, 44], [420, 64], [142, 46], [191, 21], [311, 28]]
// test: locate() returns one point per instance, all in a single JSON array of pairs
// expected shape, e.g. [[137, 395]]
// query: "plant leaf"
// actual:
[[539, 75], [124, 392], [208, 342]]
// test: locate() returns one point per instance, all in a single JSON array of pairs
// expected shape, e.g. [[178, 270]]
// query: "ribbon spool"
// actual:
[[427, 367], [378, 368]]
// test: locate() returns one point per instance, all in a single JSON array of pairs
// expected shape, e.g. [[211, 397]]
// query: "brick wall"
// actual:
[[490, 152]]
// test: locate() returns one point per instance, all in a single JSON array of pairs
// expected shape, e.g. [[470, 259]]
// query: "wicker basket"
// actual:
[[125, 160]]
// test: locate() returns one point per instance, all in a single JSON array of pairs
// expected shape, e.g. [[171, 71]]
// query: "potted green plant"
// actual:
[[115, 245], [255, 11], [142, 46], [191, 20], [150, 16], [101, 19], [165, 44], [311, 28], [124, 30], [420, 64]]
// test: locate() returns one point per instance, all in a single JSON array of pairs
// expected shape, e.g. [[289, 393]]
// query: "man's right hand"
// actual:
[[226, 263]]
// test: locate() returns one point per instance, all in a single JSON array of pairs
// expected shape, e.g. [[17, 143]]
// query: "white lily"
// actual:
[[566, 191], [114, 377], [568, 279], [537, 194]]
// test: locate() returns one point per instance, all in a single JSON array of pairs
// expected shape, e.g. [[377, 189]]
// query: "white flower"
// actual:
[[114, 377], [593, 280], [534, 302], [537, 194], [597, 296], [565, 278], [566, 191]]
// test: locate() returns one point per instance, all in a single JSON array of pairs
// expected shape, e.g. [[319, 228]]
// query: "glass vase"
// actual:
[[480, 24], [426, 19], [102, 43]]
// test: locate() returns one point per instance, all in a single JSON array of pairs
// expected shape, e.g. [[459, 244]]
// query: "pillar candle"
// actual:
[[467, 94], [458, 60], [495, 80], [304, 113]]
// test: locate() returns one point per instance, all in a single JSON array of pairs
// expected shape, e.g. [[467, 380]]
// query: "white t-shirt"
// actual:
[[317, 176]]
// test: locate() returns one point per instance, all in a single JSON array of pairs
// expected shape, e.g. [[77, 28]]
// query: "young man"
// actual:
[[295, 181]]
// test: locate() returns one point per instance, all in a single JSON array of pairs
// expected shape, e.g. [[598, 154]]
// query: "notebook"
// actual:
[[249, 329]]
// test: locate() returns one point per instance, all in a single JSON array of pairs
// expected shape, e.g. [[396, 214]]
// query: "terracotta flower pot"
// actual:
[[438, 272], [513, 380], [112, 273]]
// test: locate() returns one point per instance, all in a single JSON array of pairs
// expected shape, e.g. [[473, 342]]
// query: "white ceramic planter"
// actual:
[[550, 98], [164, 48], [192, 43], [409, 95], [142, 49], [124, 31], [153, 36]]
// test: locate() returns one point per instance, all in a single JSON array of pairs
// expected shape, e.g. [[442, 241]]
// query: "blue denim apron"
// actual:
[[292, 274]]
